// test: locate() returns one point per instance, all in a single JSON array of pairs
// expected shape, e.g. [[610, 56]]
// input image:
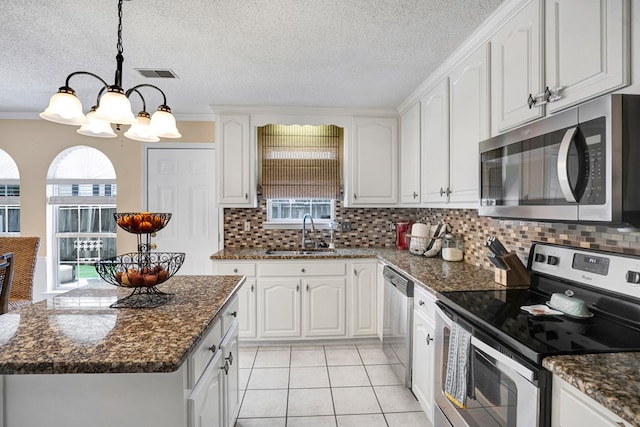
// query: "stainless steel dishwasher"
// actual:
[[397, 321]]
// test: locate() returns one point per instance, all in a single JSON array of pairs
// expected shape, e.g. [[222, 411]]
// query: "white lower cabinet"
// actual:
[[364, 299], [206, 402], [572, 408], [324, 307], [279, 308], [424, 351], [306, 299]]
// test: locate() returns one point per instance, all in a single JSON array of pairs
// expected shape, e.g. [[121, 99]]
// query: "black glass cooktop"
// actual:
[[498, 314]]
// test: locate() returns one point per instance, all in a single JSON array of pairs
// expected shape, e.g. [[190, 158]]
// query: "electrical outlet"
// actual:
[[346, 226], [247, 226]]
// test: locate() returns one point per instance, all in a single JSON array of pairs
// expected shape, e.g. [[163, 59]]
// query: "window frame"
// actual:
[[296, 223]]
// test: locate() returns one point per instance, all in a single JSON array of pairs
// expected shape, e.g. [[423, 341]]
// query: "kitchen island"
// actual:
[[71, 360]]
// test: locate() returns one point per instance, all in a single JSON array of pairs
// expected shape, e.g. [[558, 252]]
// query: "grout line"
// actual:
[[333, 402], [286, 411]]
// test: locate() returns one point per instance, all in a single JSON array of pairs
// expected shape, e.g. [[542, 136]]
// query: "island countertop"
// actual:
[[77, 332]]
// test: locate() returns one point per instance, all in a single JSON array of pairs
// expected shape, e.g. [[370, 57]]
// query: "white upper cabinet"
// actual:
[[587, 48], [469, 109], [410, 156], [236, 186], [435, 145], [517, 65], [373, 162]]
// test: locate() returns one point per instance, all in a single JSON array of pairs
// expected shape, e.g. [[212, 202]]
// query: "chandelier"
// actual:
[[112, 107]]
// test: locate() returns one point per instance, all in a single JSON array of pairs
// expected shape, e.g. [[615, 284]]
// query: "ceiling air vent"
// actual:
[[153, 74]]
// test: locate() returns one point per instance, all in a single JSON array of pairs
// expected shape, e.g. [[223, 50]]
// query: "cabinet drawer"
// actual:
[[230, 314], [231, 269], [424, 302], [199, 358], [303, 269]]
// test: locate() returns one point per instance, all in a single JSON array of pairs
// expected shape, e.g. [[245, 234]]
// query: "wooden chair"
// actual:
[[25, 253], [6, 275]]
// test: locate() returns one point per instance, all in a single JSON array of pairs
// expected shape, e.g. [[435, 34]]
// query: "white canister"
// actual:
[[453, 247]]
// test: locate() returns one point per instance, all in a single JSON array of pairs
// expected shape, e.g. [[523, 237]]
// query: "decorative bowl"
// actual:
[[140, 269], [142, 222]]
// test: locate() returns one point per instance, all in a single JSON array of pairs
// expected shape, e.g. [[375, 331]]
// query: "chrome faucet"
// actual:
[[304, 229]]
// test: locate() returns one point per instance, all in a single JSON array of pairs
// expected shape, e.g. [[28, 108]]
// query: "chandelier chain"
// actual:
[[120, 27]]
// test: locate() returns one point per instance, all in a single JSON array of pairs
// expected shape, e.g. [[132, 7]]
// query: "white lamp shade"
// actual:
[[115, 108], [163, 124], [141, 131], [96, 127], [64, 108]]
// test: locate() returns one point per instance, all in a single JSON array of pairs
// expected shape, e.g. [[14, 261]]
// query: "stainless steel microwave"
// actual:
[[581, 165]]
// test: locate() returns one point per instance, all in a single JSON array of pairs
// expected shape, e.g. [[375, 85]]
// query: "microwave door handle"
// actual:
[[563, 165]]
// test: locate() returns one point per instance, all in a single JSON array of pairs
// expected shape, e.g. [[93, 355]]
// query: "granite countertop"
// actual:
[[432, 274], [77, 332], [611, 379]]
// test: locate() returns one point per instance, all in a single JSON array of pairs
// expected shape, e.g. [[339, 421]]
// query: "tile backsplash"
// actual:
[[373, 228]]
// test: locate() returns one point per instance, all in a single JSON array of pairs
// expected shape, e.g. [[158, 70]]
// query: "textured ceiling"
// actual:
[[290, 53]]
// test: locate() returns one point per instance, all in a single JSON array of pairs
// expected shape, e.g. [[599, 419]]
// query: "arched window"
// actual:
[[9, 195], [81, 196]]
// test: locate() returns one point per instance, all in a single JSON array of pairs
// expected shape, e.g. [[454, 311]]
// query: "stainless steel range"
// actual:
[[508, 385]]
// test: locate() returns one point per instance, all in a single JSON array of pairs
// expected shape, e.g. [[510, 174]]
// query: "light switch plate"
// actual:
[[345, 226], [247, 226]]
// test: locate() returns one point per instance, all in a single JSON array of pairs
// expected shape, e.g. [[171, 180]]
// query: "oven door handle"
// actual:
[[501, 359]]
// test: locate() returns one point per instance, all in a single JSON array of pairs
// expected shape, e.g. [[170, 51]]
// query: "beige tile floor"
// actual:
[[344, 385]]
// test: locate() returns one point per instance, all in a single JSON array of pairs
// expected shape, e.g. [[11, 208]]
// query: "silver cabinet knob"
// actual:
[[421, 302], [235, 270]]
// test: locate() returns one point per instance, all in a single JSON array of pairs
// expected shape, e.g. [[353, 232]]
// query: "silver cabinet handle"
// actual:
[[441, 191], [234, 314], [226, 367], [307, 288], [415, 195], [448, 191], [420, 302], [429, 339], [246, 196], [355, 196], [213, 348], [251, 288], [297, 288], [230, 358], [355, 272]]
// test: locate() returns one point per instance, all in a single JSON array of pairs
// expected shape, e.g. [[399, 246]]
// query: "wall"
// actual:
[[33, 144], [373, 228]]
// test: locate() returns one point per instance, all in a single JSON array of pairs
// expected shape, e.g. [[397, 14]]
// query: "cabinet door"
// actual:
[[587, 48], [435, 145], [247, 309], [235, 165], [206, 402], [410, 156], [469, 97], [229, 349], [325, 307], [423, 361], [374, 162], [363, 307], [572, 408], [278, 308], [517, 66]]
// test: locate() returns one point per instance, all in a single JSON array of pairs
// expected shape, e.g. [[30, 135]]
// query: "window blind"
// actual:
[[301, 161]]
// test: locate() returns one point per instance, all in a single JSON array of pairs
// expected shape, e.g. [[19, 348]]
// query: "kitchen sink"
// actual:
[[292, 252]]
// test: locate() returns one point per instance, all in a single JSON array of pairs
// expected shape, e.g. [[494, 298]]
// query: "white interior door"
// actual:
[[182, 181]]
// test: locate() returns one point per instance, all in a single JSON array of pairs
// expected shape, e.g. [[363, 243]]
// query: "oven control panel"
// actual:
[[610, 271]]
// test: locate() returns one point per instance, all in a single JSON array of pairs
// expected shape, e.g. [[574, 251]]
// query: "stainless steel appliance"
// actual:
[[397, 321], [578, 165], [509, 385]]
